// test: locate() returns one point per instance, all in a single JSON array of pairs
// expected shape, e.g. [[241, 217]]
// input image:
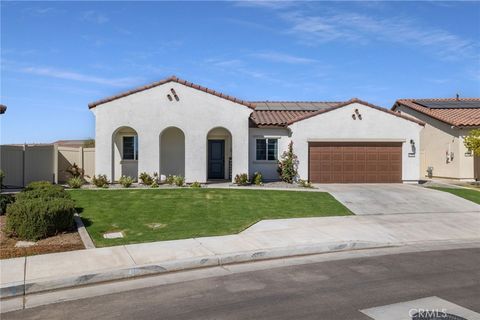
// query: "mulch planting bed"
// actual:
[[66, 241]]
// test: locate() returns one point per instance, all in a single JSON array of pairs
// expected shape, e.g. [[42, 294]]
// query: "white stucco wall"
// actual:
[[338, 125], [267, 168], [149, 112], [172, 152]]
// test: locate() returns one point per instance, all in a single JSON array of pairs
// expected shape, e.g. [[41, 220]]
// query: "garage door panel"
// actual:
[[355, 162]]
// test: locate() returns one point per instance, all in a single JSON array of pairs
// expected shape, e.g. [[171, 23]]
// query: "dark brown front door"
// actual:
[[216, 159], [355, 162]]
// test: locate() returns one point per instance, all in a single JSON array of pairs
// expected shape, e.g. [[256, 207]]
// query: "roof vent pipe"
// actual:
[[458, 96]]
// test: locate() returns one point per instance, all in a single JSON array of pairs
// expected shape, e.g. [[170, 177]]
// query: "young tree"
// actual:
[[472, 141], [288, 165]]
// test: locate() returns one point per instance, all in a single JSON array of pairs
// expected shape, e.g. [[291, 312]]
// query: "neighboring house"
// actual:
[[448, 121], [177, 127]]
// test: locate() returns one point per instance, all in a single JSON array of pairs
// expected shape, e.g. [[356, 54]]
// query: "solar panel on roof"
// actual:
[[450, 104]]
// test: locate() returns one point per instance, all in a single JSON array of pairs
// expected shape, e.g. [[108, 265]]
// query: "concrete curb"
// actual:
[[41, 285], [82, 231]]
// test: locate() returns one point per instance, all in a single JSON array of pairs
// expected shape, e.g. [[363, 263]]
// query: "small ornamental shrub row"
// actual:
[[39, 211], [100, 181], [241, 179], [126, 181], [179, 181]]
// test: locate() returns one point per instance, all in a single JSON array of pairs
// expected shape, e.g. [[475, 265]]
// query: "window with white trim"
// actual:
[[130, 148], [267, 149]]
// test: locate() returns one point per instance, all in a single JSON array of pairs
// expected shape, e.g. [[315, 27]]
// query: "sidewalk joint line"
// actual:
[[128, 253]]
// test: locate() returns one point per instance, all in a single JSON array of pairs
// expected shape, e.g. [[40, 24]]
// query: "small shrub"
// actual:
[[100, 181], [126, 181], [170, 179], [33, 219], [5, 199], [75, 182], [45, 191], [146, 178], [38, 185], [288, 165], [179, 181], [304, 184], [195, 184], [241, 179], [154, 184], [75, 171], [257, 179]]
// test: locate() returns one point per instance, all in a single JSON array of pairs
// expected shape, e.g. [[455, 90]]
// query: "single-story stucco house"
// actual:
[[175, 127], [447, 122]]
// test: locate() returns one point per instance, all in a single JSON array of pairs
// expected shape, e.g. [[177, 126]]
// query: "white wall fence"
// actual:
[[23, 164]]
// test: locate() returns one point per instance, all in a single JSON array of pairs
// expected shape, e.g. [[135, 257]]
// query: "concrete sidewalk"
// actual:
[[265, 240]]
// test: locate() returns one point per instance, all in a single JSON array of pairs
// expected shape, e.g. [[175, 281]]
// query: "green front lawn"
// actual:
[[153, 215], [469, 194]]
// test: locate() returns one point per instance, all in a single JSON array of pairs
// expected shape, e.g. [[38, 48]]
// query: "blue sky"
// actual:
[[56, 57]]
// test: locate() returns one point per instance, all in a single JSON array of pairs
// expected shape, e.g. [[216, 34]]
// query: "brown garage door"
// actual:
[[355, 162]]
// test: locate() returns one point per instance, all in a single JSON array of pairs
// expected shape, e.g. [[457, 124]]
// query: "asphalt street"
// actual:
[[325, 290]]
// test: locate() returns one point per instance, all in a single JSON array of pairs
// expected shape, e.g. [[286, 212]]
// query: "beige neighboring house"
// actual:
[[447, 121]]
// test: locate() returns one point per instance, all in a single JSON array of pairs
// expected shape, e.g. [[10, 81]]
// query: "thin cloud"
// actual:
[[282, 58], [316, 29], [75, 76], [364, 29], [278, 4], [95, 17]]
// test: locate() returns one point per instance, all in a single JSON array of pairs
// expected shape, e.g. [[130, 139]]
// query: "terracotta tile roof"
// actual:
[[286, 118], [170, 79], [293, 105], [276, 118], [458, 116]]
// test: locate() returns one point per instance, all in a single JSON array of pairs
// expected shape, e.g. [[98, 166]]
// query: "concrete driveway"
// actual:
[[396, 198]]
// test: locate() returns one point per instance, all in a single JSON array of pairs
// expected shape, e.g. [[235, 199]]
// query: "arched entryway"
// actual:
[[172, 152], [219, 154], [125, 153]]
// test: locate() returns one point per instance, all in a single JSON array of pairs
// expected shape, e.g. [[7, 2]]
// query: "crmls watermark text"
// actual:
[[417, 314]]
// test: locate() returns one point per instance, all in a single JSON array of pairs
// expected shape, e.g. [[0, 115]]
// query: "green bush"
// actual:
[[241, 179], [179, 181], [257, 179], [100, 181], [38, 185], [304, 184], [5, 199], [126, 181], [195, 184], [33, 219], [146, 178], [288, 165], [43, 191], [154, 184], [75, 182], [170, 179]]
